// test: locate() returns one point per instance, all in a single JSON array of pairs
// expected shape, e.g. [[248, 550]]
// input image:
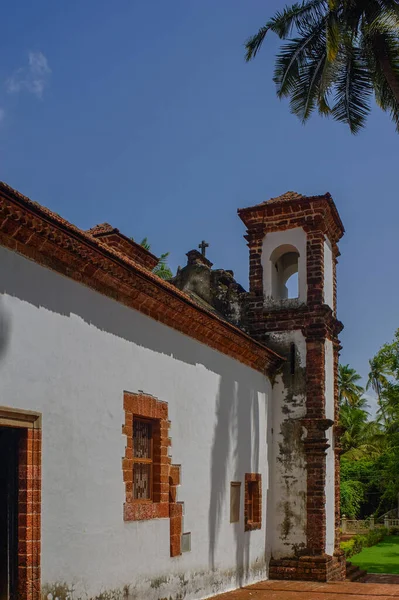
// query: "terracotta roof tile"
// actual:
[[268, 207], [102, 228], [292, 196], [287, 197], [73, 229]]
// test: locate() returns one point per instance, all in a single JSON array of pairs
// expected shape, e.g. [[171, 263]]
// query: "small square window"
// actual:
[[186, 542], [253, 487], [253, 501], [235, 494]]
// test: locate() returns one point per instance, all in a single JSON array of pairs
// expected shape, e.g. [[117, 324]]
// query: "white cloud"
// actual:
[[33, 78]]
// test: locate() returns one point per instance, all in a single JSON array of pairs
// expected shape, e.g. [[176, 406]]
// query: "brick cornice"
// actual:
[[121, 242], [317, 322], [44, 237], [315, 426], [316, 440], [310, 212]]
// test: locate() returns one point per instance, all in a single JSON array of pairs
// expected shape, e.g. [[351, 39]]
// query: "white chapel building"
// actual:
[[166, 440]]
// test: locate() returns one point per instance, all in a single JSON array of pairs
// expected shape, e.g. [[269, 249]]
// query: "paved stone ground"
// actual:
[[304, 590], [382, 578]]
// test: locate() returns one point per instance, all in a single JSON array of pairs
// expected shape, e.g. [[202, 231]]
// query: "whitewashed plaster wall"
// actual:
[[69, 353], [328, 275], [289, 477], [330, 464], [286, 240]]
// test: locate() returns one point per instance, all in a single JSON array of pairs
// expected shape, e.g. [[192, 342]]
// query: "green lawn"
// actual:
[[382, 558]]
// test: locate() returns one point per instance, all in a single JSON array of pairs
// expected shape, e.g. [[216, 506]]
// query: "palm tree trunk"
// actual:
[[380, 403]]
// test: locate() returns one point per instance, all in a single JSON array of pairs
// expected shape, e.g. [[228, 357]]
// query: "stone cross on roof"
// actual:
[[203, 246]]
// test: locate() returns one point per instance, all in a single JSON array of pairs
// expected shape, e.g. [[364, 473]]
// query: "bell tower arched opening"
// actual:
[[284, 268], [285, 264]]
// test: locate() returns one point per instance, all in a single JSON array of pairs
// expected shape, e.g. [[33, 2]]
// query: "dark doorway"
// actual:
[[9, 438]]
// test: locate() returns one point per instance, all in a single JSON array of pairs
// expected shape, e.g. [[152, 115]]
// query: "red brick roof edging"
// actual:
[[46, 238]]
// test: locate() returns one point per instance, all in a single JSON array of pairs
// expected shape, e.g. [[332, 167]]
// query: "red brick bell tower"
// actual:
[[289, 236]]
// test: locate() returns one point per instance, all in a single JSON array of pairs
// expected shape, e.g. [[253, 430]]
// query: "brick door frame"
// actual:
[[29, 498]]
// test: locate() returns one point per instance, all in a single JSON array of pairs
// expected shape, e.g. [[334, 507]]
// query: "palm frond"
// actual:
[[324, 107], [293, 57], [144, 242], [307, 94], [333, 36], [350, 392], [382, 53], [386, 100], [163, 271], [353, 90], [364, 451], [386, 21], [163, 259], [283, 22], [298, 16], [254, 42], [361, 41]]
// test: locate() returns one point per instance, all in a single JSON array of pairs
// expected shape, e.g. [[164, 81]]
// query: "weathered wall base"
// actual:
[[195, 585], [309, 568]]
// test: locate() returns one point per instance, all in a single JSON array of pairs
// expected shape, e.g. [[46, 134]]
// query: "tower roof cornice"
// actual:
[[292, 210]]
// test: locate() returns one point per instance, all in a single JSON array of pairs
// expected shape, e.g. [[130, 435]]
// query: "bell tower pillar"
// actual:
[[293, 251]]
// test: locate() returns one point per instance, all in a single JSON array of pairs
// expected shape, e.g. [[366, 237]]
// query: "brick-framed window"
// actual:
[[253, 501], [146, 463], [151, 481]]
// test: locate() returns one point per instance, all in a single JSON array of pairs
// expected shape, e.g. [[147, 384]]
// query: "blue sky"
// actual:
[[145, 115]]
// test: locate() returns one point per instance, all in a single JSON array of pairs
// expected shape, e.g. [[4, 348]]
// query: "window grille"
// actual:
[[142, 459]]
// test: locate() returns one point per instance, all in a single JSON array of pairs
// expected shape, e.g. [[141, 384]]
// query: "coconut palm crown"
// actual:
[[350, 392], [338, 54]]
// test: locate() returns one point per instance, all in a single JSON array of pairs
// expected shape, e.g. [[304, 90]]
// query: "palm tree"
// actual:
[[350, 392], [360, 438], [162, 269], [343, 52], [378, 380], [389, 407]]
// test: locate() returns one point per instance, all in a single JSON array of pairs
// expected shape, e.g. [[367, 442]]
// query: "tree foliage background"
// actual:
[[370, 457]]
